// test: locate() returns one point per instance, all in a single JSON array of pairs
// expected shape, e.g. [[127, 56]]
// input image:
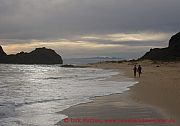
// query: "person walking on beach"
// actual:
[[139, 70], [135, 70]]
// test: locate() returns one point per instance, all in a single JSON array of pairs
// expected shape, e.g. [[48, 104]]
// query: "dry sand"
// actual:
[[157, 95]]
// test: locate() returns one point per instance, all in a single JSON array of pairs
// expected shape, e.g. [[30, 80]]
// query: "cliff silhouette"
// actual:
[[37, 56], [170, 53]]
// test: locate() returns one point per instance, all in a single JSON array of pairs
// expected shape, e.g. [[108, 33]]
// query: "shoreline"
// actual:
[[128, 98], [119, 106], [158, 86]]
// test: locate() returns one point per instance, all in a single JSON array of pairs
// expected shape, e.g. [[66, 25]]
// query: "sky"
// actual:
[[87, 28]]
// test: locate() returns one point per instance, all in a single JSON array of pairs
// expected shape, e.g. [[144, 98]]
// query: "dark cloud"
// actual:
[[133, 43], [32, 19]]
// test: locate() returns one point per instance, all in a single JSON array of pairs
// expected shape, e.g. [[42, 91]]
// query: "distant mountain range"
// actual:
[[80, 61], [170, 53], [99, 57], [37, 56]]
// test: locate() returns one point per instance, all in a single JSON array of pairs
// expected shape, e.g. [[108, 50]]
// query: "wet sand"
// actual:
[[157, 96]]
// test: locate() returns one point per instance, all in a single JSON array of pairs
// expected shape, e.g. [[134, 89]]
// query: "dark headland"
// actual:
[[37, 56], [170, 53]]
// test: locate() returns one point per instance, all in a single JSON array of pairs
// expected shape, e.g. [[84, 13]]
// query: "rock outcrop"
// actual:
[[174, 42], [2, 53], [38, 56], [170, 53]]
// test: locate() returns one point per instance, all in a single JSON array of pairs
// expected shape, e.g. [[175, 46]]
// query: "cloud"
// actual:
[[139, 36], [78, 48], [64, 44], [105, 25], [123, 37], [32, 19]]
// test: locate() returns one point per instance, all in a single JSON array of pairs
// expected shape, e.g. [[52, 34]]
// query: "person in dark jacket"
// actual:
[[139, 70], [135, 70]]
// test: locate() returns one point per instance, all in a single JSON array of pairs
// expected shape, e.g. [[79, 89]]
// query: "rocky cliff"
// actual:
[[38, 56], [2, 53], [170, 53]]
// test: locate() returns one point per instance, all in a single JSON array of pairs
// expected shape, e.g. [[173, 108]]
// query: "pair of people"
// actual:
[[137, 69]]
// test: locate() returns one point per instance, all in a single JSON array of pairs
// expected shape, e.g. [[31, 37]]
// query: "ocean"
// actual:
[[32, 95]]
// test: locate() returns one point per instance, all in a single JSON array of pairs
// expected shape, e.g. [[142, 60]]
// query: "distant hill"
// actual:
[[170, 53], [80, 61], [37, 56]]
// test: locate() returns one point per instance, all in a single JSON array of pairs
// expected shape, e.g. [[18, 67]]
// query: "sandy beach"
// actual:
[[157, 96]]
